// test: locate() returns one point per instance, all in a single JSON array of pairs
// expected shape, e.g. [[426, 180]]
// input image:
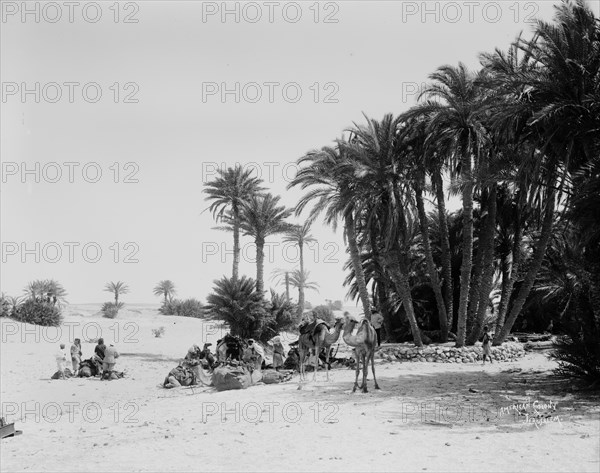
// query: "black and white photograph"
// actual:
[[300, 236]]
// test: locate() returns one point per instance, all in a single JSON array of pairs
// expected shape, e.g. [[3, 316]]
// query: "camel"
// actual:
[[322, 338], [364, 343]]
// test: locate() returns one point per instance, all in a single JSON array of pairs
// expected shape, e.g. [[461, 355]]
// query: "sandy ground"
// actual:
[[426, 417]]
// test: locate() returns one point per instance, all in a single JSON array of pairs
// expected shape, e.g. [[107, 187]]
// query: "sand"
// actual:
[[426, 417]]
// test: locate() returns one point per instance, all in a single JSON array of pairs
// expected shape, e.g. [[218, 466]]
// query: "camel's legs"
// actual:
[[373, 369], [357, 372], [365, 371], [301, 355], [317, 353], [327, 362]]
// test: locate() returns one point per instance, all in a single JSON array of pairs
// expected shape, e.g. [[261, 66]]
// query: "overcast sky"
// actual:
[[304, 72]]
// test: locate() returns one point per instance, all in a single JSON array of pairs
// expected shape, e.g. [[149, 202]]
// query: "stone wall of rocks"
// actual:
[[446, 353]]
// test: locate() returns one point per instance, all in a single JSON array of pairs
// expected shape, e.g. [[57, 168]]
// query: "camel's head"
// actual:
[[349, 319]]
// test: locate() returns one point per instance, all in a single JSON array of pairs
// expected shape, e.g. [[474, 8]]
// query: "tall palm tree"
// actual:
[[413, 135], [330, 178], [300, 235], [561, 114], [117, 288], [228, 192], [165, 288], [381, 170], [453, 100], [262, 217]]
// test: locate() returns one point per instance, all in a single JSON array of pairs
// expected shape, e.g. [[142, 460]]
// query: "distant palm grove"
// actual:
[[517, 142]]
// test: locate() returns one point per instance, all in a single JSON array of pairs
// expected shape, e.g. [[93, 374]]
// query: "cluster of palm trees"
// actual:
[[240, 205], [515, 139]]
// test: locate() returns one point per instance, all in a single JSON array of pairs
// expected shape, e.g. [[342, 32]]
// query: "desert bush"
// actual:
[[324, 312], [186, 308], [169, 307], [110, 310], [37, 312], [158, 332], [5, 306]]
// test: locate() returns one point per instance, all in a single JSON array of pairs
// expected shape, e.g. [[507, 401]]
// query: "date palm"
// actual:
[[165, 288], [229, 191], [381, 169], [300, 235], [453, 100], [262, 217], [329, 176], [117, 289], [560, 114]]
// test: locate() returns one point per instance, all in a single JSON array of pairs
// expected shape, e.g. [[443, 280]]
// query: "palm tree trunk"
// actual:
[[287, 286], [487, 277], [236, 244], [514, 270], [477, 272], [401, 282], [301, 295], [538, 258], [433, 276], [356, 264], [116, 298], [445, 246], [467, 257], [260, 265]]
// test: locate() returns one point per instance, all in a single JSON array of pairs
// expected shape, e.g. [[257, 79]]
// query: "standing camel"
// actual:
[[364, 343], [321, 338]]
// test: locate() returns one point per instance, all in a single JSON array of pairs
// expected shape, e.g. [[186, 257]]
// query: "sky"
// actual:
[[115, 114]]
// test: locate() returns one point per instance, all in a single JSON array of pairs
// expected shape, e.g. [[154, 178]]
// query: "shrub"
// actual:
[[325, 313], [38, 312], [186, 308], [237, 303], [283, 316], [5, 306], [158, 332], [110, 310], [169, 307]]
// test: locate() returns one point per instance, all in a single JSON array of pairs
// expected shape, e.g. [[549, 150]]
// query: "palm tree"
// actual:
[[561, 114], [413, 133], [300, 235], [117, 289], [228, 192], [453, 100], [47, 290], [165, 288], [331, 180], [262, 217], [381, 169]]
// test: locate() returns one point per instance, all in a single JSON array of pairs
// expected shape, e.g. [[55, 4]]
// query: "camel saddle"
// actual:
[[311, 328]]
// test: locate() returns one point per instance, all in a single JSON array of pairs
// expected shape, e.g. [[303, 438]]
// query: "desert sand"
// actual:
[[426, 417]]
